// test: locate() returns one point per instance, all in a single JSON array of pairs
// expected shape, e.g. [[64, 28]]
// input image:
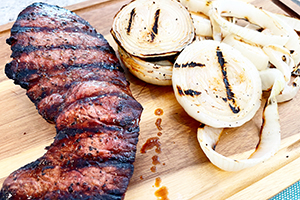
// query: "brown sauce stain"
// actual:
[[159, 112], [150, 143], [157, 182], [142, 177], [159, 134], [158, 124], [153, 168], [155, 160], [162, 193]]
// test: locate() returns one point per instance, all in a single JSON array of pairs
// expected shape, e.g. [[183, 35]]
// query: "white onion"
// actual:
[[269, 139], [250, 13], [280, 57], [153, 28], [202, 25], [155, 72], [293, 44], [291, 21], [200, 6], [250, 50], [269, 76], [218, 95]]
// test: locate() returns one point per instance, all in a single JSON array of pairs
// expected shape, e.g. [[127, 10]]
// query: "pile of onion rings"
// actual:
[[239, 51], [270, 42]]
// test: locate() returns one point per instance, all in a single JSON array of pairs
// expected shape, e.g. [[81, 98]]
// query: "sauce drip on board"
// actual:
[[157, 182], [162, 193], [158, 112], [158, 124], [153, 168], [150, 143], [155, 160]]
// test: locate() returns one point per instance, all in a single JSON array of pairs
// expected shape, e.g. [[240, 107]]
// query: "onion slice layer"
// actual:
[[153, 72], [220, 9], [216, 84], [269, 139], [153, 28]]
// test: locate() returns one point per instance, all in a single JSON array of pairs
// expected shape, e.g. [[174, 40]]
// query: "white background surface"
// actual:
[[9, 9]]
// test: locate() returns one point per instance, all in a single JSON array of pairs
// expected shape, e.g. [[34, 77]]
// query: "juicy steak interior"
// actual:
[[75, 80]]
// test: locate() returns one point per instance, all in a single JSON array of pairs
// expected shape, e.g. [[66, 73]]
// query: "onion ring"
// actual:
[[153, 28], [293, 44], [250, 50], [250, 13], [202, 25], [216, 84], [155, 72], [269, 139], [280, 57], [269, 76], [200, 6]]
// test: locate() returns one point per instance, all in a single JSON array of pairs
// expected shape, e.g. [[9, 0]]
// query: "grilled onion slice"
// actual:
[[293, 44], [270, 75], [154, 72], [291, 21], [202, 24], [200, 6], [220, 9], [153, 28], [280, 57], [216, 84], [250, 50], [269, 138]]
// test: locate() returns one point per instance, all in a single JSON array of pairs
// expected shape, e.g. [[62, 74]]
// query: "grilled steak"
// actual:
[[75, 80]]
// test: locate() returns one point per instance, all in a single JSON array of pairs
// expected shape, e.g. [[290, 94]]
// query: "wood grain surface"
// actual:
[[184, 169], [292, 5]]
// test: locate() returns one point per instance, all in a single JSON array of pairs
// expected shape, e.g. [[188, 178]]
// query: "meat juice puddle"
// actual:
[[162, 192]]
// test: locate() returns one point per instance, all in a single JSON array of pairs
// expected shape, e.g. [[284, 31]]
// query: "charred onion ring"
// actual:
[[216, 84], [241, 10], [153, 28], [269, 139]]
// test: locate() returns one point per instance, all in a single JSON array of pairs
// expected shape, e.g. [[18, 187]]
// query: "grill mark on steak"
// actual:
[[49, 10], [30, 41], [75, 80], [101, 144], [38, 15], [47, 60], [18, 50], [26, 78], [62, 80], [21, 29]]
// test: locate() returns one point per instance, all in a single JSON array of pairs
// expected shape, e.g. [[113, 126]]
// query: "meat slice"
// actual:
[[113, 109], [44, 84], [51, 105], [74, 78], [80, 163]]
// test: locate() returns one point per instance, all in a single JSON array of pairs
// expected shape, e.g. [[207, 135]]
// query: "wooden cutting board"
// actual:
[[184, 170]]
